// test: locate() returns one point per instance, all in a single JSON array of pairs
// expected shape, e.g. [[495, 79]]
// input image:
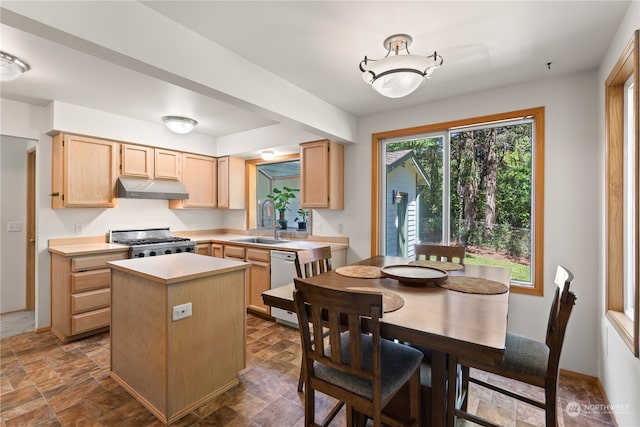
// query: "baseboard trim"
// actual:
[[596, 381]]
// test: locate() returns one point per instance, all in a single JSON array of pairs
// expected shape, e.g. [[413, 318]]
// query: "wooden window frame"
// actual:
[[251, 170], [625, 68], [537, 287]]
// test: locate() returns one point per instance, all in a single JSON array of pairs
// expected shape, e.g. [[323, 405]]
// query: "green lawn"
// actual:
[[518, 271]]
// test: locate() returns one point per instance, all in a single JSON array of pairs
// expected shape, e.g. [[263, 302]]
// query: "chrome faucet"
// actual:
[[272, 217]]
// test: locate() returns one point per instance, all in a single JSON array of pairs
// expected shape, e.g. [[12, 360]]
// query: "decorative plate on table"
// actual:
[[414, 274]]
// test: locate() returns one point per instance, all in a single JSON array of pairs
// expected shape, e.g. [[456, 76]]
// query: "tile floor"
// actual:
[[46, 383]]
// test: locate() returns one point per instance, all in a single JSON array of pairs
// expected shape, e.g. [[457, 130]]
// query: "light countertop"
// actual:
[[288, 245], [176, 268], [87, 248]]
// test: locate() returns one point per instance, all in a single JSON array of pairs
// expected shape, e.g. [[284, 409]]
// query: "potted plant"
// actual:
[[281, 200], [302, 219]]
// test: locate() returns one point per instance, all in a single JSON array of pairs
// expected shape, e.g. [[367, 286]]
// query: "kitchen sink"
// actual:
[[260, 240]]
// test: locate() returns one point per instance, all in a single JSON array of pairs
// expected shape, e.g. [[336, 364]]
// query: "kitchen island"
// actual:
[[177, 329]]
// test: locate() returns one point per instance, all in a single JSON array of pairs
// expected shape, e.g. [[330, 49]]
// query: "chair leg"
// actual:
[[301, 378], [465, 387], [415, 400], [309, 407], [452, 382], [551, 408]]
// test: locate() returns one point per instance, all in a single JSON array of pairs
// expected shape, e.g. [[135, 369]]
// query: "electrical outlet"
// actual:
[[78, 228], [340, 229], [14, 226], [181, 311]]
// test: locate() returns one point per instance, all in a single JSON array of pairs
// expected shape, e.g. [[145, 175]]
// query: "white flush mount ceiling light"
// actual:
[[395, 76], [179, 124], [267, 155], [11, 67]]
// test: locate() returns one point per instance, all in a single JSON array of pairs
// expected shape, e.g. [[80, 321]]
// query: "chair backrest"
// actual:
[[312, 262], [339, 311], [440, 252], [563, 302]]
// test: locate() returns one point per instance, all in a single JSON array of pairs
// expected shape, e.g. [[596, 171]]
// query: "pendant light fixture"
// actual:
[[11, 67], [179, 124], [395, 76]]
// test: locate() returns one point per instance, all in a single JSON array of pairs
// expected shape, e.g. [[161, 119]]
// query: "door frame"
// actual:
[[30, 261]]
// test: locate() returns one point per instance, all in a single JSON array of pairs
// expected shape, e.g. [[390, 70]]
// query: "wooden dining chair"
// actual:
[[527, 360], [440, 252], [360, 369], [309, 263], [312, 262]]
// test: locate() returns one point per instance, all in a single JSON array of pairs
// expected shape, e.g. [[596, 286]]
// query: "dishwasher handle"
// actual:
[[284, 255]]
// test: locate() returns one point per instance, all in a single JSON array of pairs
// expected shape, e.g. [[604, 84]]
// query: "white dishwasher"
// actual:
[[283, 270]]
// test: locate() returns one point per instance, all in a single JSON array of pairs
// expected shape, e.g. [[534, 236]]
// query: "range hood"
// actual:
[[141, 188]]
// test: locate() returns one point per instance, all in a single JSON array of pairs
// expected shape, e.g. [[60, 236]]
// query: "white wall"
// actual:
[[618, 369], [13, 159], [27, 121], [571, 206]]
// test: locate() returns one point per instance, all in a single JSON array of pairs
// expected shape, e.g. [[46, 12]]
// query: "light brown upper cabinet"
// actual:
[[168, 164], [231, 190], [84, 172], [136, 161], [199, 178], [321, 175]]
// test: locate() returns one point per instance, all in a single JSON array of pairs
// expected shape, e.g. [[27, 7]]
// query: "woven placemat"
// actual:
[[441, 265], [359, 271], [474, 285], [390, 300]]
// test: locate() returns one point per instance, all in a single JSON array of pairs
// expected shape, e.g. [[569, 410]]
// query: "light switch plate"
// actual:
[[14, 226]]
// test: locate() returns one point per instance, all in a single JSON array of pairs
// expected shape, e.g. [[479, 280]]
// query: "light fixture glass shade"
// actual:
[[11, 67], [398, 75], [267, 155], [179, 124]]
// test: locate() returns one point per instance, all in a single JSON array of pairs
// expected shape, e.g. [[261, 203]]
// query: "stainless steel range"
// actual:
[[151, 242]]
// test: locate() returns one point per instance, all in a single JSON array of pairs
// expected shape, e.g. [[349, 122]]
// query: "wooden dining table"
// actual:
[[450, 323]]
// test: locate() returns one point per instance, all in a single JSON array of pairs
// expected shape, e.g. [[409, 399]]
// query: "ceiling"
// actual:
[[317, 46]]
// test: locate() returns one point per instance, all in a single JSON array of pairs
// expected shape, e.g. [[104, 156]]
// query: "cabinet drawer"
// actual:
[[258, 255], [91, 300], [89, 321], [93, 262], [234, 252], [89, 280]]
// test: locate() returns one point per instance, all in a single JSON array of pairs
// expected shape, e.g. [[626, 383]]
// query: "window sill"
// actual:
[[624, 326]]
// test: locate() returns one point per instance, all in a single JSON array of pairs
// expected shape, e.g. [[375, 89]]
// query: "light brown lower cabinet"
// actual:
[[81, 294], [259, 277]]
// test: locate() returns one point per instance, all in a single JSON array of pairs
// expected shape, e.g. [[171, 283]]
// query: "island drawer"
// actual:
[[89, 280], [89, 321], [94, 262], [91, 300]]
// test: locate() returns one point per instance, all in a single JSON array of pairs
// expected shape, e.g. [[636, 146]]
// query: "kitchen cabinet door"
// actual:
[[259, 281], [168, 164], [136, 161], [199, 178], [231, 183], [321, 175], [203, 249], [84, 172]]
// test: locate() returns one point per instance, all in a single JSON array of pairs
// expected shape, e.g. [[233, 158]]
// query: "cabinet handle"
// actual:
[[56, 194]]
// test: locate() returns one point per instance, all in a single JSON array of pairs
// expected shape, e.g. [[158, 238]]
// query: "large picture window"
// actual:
[[475, 182]]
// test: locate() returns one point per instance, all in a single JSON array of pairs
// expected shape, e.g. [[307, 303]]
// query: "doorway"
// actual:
[[18, 235]]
